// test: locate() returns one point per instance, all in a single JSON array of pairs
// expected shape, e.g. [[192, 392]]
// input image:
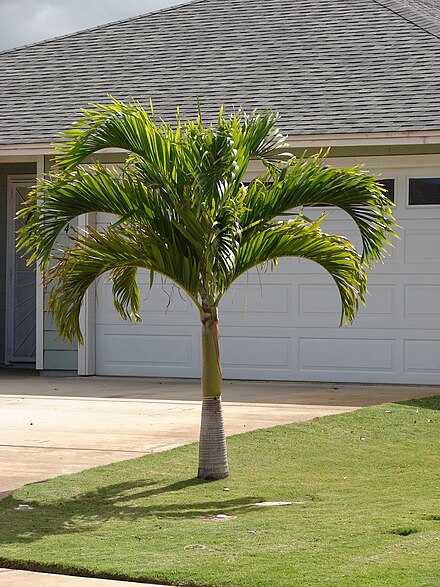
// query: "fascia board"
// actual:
[[365, 139]]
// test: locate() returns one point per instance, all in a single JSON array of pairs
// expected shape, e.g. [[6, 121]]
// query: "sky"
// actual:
[[27, 21]]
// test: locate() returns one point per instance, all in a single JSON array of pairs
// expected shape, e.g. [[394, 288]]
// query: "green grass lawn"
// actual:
[[368, 513]]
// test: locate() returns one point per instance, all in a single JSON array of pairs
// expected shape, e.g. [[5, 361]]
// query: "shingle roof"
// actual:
[[328, 67], [427, 8], [424, 13]]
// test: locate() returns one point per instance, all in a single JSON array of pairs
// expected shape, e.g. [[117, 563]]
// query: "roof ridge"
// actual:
[[399, 7], [412, 15], [101, 26]]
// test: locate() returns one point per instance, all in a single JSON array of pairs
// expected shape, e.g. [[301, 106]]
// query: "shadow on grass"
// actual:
[[131, 500], [429, 403]]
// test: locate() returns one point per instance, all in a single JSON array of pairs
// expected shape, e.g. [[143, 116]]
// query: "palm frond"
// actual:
[[119, 250], [259, 136], [309, 182], [62, 197], [299, 238], [125, 290], [183, 211], [114, 125]]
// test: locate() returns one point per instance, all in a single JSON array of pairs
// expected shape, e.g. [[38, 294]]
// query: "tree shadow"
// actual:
[[131, 500], [429, 403]]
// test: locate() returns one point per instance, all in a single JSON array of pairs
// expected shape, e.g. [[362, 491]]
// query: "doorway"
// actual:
[[20, 308]]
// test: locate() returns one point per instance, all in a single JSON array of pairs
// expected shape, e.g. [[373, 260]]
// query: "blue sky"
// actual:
[[27, 21]]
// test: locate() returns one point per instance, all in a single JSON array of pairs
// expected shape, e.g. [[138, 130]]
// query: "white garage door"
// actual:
[[285, 324]]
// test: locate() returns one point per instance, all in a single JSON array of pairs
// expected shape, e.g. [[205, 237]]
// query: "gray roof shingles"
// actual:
[[426, 13], [344, 66]]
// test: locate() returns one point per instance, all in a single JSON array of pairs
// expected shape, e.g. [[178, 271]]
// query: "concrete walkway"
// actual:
[[53, 426], [10, 578]]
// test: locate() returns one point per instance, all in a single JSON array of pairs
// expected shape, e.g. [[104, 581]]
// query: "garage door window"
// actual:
[[424, 191], [388, 185]]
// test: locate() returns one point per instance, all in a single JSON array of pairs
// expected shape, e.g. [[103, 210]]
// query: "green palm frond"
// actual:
[[115, 125], [62, 197], [260, 138], [118, 250], [309, 182], [126, 294], [300, 238], [183, 211]]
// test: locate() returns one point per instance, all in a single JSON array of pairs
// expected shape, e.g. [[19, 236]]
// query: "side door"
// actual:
[[20, 281]]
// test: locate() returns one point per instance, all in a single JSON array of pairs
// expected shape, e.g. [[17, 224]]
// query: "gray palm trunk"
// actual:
[[213, 459]]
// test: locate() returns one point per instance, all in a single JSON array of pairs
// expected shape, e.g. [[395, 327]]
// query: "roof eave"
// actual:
[[366, 139], [25, 149], [309, 140]]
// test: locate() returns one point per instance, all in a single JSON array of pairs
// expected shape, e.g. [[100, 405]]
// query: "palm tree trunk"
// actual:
[[213, 459]]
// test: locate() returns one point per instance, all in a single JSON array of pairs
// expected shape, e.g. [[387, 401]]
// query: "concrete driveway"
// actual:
[[53, 426]]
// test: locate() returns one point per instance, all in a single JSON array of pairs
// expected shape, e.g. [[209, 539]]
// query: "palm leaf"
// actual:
[[300, 238], [309, 183], [62, 197], [119, 250], [183, 211]]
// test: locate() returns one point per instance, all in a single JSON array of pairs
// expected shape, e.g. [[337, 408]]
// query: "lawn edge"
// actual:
[[53, 569]]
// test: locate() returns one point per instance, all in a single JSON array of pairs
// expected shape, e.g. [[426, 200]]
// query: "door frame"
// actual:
[[12, 180]]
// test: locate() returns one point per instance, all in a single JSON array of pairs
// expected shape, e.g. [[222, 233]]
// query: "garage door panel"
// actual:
[[422, 248], [163, 304], [422, 306], [255, 352], [423, 356], [320, 305], [318, 302], [287, 264], [260, 305], [135, 351], [354, 355], [381, 301], [147, 348], [264, 277]]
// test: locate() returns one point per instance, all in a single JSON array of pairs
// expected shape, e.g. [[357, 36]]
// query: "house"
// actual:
[[359, 76]]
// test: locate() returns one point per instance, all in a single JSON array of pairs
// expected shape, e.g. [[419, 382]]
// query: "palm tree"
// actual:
[[184, 212]]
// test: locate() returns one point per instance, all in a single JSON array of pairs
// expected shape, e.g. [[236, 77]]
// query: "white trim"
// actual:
[[39, 358], [87, 351], [418, 137], [365, 139], [375, 162], [29, 152], [24, 150]]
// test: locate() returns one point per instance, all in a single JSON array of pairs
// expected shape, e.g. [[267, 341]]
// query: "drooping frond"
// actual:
[[309, 182], [300, 238], [125, 290], [115, 125], [62, 197], [119, 251]]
